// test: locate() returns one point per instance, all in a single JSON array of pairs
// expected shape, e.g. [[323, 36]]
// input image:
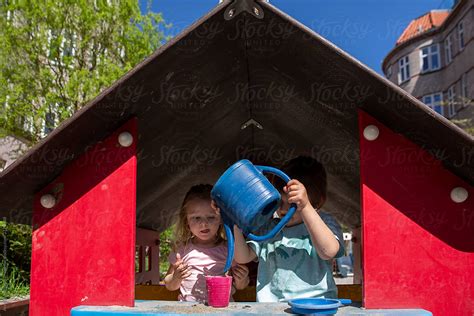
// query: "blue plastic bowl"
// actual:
[[316, 306]]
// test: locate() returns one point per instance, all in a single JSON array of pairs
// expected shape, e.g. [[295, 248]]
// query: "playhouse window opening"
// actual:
[[149, 255], [138, 259], [343, 267], [148, 258]]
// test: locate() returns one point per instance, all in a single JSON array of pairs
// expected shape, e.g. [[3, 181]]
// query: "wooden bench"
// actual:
[[159, 292]]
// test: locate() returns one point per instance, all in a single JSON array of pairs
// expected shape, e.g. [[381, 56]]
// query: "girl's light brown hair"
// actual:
[[183, 234]]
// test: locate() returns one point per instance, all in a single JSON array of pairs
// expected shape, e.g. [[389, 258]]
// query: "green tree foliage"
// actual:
[[466, 124], [166, 240], [17, 239], [15, 253], [56, 55]]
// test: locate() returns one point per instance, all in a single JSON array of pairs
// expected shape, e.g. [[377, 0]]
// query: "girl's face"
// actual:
[[203, 221], [283, 209]]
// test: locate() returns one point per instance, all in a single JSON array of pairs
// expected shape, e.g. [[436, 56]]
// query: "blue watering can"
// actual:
[[246, 198]]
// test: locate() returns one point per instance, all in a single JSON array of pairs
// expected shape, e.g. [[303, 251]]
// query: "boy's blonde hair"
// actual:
[[312, 174], [182, 233]]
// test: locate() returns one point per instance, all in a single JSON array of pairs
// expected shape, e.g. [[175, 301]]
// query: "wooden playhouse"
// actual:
[[247, 81]]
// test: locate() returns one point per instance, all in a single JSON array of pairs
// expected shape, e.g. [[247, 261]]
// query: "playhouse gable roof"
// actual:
[[194, 98]]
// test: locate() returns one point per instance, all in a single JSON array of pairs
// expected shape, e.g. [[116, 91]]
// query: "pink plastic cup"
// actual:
[[218, 290]]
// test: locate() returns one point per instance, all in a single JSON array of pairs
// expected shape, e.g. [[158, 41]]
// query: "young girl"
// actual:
[[296, 263], [200, 248]]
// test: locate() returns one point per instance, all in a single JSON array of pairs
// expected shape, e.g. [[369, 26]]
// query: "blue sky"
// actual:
[[366, 29]]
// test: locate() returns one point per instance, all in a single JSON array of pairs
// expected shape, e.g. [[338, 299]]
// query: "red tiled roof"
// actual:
[[422, 24]]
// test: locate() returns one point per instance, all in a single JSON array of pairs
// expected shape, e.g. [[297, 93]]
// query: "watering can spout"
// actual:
[[230, 247]]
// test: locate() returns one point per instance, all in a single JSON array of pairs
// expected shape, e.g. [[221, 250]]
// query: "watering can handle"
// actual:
[[288, 215]]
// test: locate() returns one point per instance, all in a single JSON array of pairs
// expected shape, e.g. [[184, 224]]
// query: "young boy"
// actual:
[[297, 262]]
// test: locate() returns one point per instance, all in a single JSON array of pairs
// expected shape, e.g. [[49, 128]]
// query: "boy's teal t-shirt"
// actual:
[[289, 266]]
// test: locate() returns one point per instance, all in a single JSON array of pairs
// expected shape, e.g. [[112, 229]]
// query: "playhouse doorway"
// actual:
[[151, 261]]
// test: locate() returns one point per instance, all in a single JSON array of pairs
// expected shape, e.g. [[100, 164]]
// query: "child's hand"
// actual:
[[240, 273], [181, 270], [297, 194]]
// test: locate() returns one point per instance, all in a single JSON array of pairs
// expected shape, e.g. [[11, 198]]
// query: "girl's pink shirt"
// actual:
[[203, 261]]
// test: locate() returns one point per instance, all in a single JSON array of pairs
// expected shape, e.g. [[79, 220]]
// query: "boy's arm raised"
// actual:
[[322, 237], [242, 252]]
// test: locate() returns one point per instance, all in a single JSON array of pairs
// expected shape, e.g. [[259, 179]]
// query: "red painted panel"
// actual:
[[418, 245], [83, 248]]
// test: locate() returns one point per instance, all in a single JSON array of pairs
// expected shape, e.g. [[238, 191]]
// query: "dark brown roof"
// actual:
[[194, 94]]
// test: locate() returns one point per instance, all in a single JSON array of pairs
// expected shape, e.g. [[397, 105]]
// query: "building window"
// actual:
[[464, 92], [7, 97], [403, 69], [3, 163], [10, 6], [430, 58], [26, 124], [451, 101], [461, 35], [48, 123], [389, 71], [68, 45], [434, 102], [448, 49], [54, 46]]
